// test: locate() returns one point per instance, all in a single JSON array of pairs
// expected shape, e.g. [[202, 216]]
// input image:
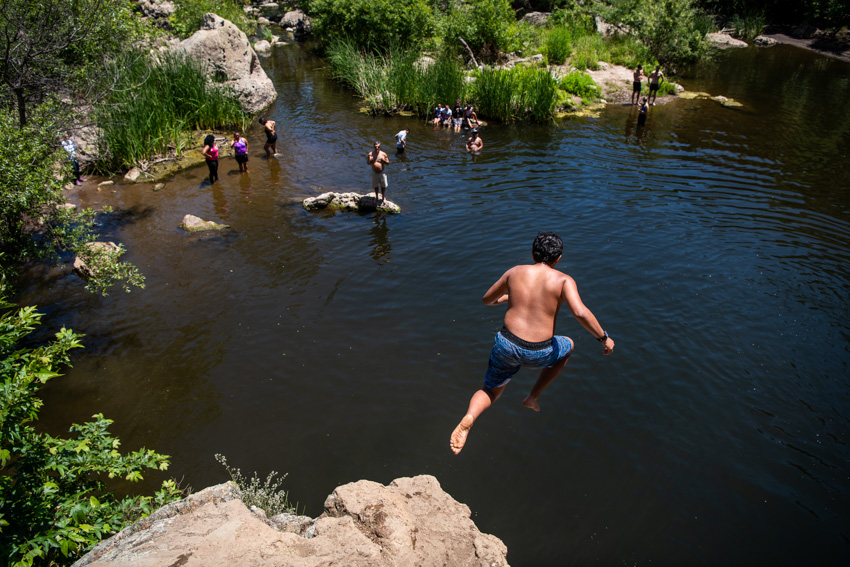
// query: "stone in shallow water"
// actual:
[[195, 224], [349, 202]]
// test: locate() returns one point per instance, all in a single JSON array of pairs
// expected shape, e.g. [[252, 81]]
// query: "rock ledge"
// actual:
[[411, 521]]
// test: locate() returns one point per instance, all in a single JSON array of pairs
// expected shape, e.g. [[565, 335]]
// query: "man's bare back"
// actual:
[[534, 294]]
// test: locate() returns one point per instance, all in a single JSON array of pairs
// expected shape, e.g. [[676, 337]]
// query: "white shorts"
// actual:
[[379, 179]]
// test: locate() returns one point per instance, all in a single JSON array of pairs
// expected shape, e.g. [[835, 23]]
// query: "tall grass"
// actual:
[[394, 79], [509, 94], [156, 103], [749, 25], [559, 45]]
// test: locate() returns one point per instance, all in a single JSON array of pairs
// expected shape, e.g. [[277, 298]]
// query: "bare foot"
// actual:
[[531, 404], [458, 439]]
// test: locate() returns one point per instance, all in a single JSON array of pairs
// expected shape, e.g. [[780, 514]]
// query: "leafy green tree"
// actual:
[[54, 505], [50, 47], [375, 24], [486, 25], [188, 15], [672, 30], [34, 224]]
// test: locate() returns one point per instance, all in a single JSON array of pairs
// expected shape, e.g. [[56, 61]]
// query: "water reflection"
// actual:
[[380, 241]]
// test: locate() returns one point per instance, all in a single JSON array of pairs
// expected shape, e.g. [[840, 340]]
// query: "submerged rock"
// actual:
[[230, 59], [412, 521], [192, 223], [349, 202]]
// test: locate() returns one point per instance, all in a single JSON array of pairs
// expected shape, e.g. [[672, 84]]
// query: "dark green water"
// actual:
[[713, 245]]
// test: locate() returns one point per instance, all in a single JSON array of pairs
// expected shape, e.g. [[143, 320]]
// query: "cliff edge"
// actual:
[[411, 521]]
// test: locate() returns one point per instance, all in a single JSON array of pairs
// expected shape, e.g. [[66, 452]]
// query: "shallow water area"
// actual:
[[713, 244]]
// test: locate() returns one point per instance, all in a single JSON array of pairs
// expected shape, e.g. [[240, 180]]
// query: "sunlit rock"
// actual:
[[349, 202], [192, 223]]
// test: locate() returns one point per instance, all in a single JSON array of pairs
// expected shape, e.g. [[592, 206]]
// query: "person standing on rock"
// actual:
[[271, 138], [378, 159], [655, 79], [534, 294], [636, 84], [210, 152], [240, 150]]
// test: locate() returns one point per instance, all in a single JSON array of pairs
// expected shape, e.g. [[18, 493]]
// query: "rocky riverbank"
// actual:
[[411, 521]]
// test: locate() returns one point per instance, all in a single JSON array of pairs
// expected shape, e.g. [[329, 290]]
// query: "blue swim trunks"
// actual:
[[510, 353]]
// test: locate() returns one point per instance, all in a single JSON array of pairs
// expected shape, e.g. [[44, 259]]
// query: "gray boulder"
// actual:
[[539, 19], [725, 41], [290, 20], [228, 56], [263, 46], [349, 202], [764, 41], [191, 223], [156, 8], [94, 251]]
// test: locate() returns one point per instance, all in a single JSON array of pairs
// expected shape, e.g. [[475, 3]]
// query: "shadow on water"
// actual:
[[713, 244]]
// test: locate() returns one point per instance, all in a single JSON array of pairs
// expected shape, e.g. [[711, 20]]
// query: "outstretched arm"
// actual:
[[583, 315]]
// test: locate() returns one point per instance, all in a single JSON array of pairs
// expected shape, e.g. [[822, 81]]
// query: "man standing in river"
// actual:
[[534, 294], [655, 79], [378, 160], [474, 143]]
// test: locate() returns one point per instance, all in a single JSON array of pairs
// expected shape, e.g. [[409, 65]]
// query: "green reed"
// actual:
[[156, 103], [509, 94], [393, 79], [559, 45]]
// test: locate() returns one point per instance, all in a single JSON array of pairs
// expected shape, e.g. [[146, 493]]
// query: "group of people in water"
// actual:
[[655, 77], [240, 149], [461, 118]]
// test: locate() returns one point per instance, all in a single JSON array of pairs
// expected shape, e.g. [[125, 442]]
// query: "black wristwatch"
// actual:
[[603, 337]]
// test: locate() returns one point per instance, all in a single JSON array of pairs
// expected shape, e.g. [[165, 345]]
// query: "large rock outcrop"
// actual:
[[227, 54], [410, 522]]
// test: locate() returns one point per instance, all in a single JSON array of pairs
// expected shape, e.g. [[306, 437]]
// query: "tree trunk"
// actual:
[[22, 107]]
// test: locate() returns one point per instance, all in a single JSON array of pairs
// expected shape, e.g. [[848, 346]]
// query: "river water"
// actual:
[[713, 245]]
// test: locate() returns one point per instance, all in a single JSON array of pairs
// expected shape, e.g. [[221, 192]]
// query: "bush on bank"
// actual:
[[54, 505]]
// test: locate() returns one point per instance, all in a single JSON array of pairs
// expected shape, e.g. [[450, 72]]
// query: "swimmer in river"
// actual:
[[474, 143], [378, 159], [534, 294]]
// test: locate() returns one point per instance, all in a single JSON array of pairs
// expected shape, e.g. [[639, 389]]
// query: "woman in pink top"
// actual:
[[210, 152]]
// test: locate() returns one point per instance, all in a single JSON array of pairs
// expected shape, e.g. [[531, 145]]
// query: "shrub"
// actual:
[[559, 43], [749, 25], [266, 495], [188, 15], [589, 50], [55, 506], [156, 104], [372, 24], [581, 84]]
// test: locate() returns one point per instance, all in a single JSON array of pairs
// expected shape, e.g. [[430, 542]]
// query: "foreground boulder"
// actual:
[[227, 54], [725, 41], [349, 202], [98, 251], [412, 521]]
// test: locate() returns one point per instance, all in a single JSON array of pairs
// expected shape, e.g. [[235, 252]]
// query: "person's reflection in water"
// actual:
[[220, 201], [245, 186], [274, 172], [380, 242]]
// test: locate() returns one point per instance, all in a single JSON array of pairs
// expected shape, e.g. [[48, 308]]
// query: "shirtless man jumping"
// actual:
[[378, 160], [534, 294]]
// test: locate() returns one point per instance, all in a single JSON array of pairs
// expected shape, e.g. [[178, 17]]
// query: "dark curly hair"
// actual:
[[547, 247]]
